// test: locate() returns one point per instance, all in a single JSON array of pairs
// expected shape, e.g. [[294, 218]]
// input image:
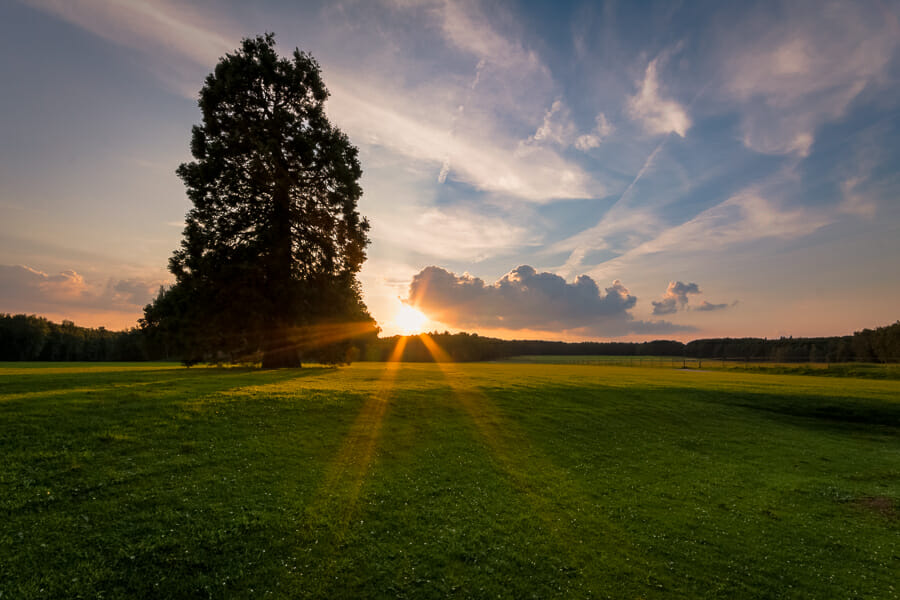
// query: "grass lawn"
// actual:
[[426, 480]]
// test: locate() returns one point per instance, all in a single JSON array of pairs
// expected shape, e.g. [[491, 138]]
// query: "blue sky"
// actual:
[[621, 150]]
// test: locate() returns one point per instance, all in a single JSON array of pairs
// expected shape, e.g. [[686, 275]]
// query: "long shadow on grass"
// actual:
[[823, 412], [159, 382], [151, 466], [44, 434]]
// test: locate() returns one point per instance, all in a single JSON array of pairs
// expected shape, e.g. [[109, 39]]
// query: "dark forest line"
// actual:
[[33, 338]]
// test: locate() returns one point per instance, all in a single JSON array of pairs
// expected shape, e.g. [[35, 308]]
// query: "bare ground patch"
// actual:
[[881, 505]]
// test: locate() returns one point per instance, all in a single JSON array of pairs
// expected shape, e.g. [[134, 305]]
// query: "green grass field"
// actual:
[[848, 369], [426, 480]]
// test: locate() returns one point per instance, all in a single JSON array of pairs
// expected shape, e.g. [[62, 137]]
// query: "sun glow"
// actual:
[[409, 320]]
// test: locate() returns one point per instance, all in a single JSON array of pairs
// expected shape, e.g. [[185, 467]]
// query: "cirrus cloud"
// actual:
[[657, 114]]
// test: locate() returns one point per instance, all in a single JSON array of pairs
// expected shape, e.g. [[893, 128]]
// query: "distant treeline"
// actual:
[[869, 345], [468, 347], [28, 337]]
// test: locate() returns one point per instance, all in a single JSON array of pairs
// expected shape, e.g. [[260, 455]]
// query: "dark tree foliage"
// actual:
[[28, 337], [466, 347], [869, 345], [274, 241]]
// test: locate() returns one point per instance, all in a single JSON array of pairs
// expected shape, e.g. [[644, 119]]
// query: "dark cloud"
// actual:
[[137, 292], [526, 299], [707, 306], [676, 297]]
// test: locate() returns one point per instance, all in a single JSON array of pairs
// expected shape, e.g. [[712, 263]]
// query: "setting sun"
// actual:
[[409, 320]]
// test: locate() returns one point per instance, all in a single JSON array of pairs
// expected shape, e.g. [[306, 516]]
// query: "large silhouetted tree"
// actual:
[[274, 240]]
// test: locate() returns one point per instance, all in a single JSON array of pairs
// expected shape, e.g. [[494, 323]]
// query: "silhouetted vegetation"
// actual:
[[267, 267], [466, 347], [25, 337], [869, 345]]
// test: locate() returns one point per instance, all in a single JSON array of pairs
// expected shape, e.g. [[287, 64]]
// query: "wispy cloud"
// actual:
[[595, 137], [743, 218], [635, 224], [658, 115], [168, 32], [482, 157], [559, 129], [466, 27], [854, 201], [453, 234], [795, 72], [422, 124]]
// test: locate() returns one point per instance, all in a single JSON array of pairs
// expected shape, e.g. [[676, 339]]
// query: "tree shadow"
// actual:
[[204, 380], [847, 413]]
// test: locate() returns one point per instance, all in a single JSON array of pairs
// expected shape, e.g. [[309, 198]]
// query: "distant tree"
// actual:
[[274, 240]]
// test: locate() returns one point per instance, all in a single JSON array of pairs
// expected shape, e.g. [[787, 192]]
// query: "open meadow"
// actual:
[[446, 480]]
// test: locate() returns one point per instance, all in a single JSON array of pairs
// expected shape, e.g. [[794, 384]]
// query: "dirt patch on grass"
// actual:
[[881, 505]]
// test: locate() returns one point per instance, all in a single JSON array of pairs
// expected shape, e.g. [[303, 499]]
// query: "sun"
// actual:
[[409, 320]]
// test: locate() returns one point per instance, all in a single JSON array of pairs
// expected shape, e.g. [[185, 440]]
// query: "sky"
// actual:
[[557, 170]]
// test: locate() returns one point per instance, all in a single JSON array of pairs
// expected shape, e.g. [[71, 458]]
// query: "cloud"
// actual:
[[173, 31], [855, 202], [27, 290], [478, 156], [657, 114], [744, 217], [467, 28], [708, 306], [676, 297], [793, 73], [524, 299], [622, 220], [557, 126], [559, 129], [132, 292], [20, 284], [380, 106], [451, 233], [594, 138]]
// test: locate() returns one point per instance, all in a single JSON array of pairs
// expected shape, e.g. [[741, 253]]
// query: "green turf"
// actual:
[[853, 369], [474, 480]]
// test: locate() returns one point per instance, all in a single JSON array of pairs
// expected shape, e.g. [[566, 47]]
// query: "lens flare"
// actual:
[[409, 320]]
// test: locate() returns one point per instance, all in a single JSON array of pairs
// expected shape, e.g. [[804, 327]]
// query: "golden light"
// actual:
[[409, 320]]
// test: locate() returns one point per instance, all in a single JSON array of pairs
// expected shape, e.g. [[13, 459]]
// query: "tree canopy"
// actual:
[[274, 240]]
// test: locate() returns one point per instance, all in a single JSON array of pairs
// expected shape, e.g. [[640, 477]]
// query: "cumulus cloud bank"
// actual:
[[527, 299], [27, 290]]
